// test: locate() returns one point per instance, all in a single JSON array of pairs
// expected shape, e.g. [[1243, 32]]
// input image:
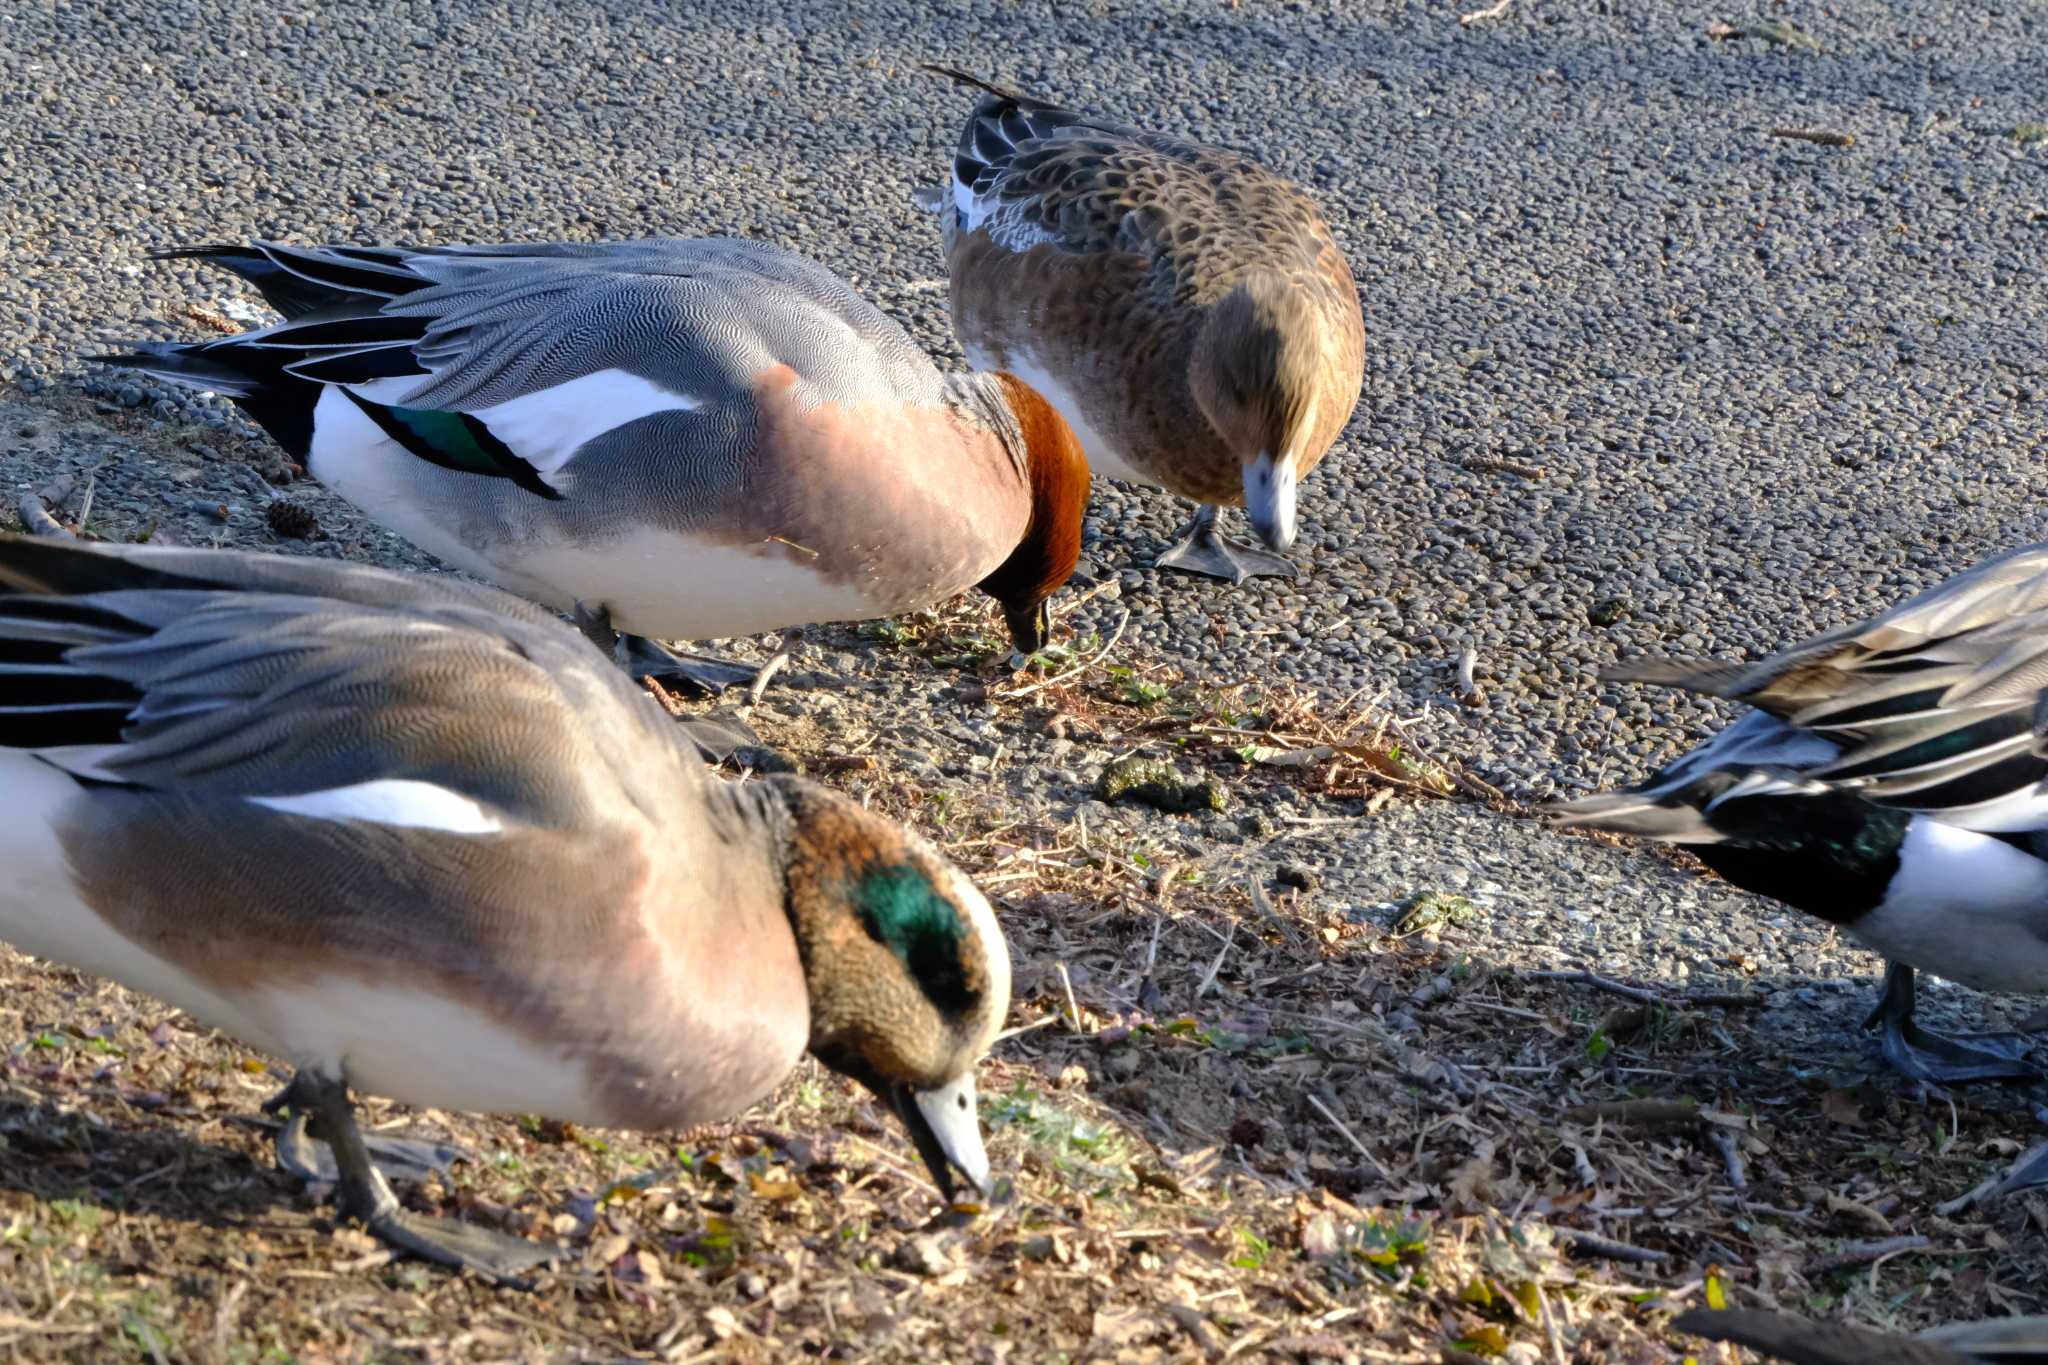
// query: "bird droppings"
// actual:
[[1429, 910], [1159, 785]]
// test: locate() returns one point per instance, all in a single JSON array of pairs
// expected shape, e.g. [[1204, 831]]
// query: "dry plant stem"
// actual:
[[1550, 1327], [1863, 1253], [1601, 983], [776, 663], [1472, 785], [85, 502], [1073, 1008], [1364, 1153], [1493, 11], [1077, 669], [1652, 1112], [1731, 1154], [1209, 981]]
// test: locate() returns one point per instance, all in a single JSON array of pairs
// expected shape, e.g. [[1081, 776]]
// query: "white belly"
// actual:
[[670, 587], [1105, 457], [1967, 907], [404, 1044], [655, 582]]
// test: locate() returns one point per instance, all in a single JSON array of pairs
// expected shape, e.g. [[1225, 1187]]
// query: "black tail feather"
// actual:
[[297, 281], [256, 378]]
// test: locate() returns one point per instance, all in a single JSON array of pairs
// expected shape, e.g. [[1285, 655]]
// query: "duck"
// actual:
[[676, 439], [1187, 310], [1802, 1341], [415, 837], [1890, 778]]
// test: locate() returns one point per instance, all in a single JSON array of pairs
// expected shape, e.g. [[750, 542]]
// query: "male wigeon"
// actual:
[[690, 439], [1891, 780], [1184, 308], [415, 836]]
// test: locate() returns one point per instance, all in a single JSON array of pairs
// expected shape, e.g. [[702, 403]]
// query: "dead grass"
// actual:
[[1239, 1124]]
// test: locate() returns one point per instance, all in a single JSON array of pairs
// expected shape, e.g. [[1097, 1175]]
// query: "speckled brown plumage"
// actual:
[[1100, 253]]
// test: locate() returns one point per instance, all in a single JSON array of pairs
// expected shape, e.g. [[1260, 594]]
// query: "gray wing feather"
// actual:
[[1937, 705], [701, 317], [259, 675]]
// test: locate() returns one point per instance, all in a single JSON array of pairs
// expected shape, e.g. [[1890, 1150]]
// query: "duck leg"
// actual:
[[366, 1195], [642, 658], [1199, 548], [302, 1154], [1930, 1057]]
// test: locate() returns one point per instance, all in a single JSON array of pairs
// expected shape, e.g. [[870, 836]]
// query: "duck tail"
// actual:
[[301, 280], [987, 87], [1706, 676], [254, 377], [1664, 816]]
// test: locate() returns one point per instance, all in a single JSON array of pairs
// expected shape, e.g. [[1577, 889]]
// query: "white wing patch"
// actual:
[[401, 802], [546, 428]]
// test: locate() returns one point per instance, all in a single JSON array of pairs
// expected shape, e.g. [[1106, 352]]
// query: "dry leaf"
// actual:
[[1841, 1106]]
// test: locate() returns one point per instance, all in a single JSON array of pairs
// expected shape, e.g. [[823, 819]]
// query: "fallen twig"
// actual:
[[1472, 785], [1822, 136], [1468, 686], [1073, 1008], [1654, 1113], [1209, 981], [1364, 1153], [34, 508], [1601, 983], [1493, 11], [1863, 1253], [36, 518], [1494, 464], [1590, 1244], [1731, 1154]]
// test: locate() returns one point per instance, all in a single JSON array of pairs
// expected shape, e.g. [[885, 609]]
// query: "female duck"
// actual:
[[416, 837], [688, 439], [1893, 781], [1184, 308]]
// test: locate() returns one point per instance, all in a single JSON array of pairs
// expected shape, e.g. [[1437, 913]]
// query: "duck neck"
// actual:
[[1831, 854], [980, 400]]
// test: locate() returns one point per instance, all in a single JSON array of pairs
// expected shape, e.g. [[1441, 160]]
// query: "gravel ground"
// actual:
[[1641, 375]]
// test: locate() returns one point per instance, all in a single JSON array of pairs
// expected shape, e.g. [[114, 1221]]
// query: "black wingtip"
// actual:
[[968, 78]]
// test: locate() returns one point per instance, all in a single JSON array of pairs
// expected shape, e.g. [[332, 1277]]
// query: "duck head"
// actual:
[[906, 968], [1257, 372], [1044, 559]]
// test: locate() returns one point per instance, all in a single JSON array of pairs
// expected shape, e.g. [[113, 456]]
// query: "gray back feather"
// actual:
[[701, 317]]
